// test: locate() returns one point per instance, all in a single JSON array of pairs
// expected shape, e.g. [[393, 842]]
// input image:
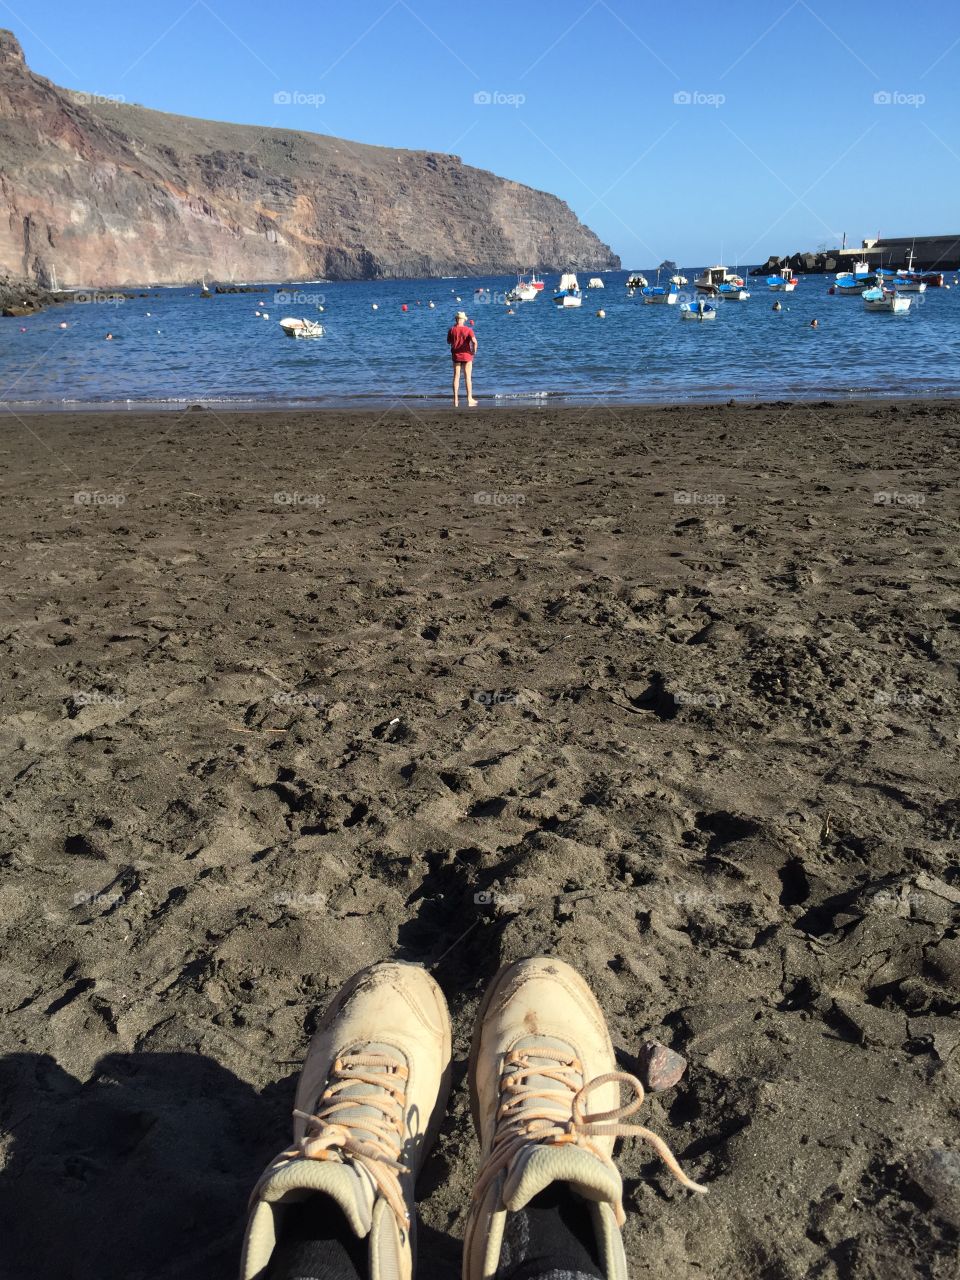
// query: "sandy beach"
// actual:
[[669, 693]]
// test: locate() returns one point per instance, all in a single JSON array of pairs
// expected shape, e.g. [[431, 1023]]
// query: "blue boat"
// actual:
[[655, 293], [732, 293]]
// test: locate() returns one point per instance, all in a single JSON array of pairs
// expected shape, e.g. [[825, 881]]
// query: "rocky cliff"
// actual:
[[112, 194]]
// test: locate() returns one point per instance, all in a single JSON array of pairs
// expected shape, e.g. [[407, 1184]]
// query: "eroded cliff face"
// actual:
[[112, 194]]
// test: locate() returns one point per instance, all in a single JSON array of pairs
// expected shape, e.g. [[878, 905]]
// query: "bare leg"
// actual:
[[456, 385], [468, 373]]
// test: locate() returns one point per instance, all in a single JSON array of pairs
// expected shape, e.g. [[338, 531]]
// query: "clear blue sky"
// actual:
[[782, 146]]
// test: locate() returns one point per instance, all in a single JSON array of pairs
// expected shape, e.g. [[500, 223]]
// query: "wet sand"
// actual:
[[669, 693]]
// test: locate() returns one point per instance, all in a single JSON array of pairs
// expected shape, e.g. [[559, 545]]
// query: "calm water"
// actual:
[[177, 347]]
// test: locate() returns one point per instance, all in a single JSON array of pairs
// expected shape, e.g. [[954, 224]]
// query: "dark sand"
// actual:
[[706, 752]]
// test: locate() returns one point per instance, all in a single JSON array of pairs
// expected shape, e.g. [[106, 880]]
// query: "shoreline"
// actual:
[[535, 404]]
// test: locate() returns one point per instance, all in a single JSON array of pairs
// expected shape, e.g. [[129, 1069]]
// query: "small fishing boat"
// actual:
[[732, 293], [901, 281], [699, 310], [568, 293], [636, 281], [783, 280], [594, 283], [301, 328], [524, 291], [714, 277], [679, 280], [881, 299], [656, 294], [852, 283]]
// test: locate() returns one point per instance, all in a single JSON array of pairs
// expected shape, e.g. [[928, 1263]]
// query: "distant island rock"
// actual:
[[105, 193]]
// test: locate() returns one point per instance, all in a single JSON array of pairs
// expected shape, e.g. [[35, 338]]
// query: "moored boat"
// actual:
[[882, 299], [594, 283], [658, 294], [568, 293], [635, 280], [713, 277], [699, 310], [301, 328], [523, 291], [732, 293], [783, 280]]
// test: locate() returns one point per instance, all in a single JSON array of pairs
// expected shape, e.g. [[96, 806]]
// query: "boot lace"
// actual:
[[332, 1135], [534, 1113]]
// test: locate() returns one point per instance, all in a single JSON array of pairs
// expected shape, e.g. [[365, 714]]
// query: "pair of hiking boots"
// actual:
[[372, 1095]]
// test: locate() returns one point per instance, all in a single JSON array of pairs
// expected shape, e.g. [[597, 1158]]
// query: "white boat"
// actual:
[[594, 283], [568, 293], [657, 294], [698, 310], [732, 293], [714, 277], [524, 291], [852, 283], [301, 328], [679, 280], [880, 299], [636, 281], [904, 281], [782, 281]]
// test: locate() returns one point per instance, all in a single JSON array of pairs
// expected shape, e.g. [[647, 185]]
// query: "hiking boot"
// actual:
[[541, 1049], [369, 1103]]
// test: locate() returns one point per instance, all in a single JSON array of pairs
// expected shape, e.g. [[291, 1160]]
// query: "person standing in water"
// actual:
[[463, 347]]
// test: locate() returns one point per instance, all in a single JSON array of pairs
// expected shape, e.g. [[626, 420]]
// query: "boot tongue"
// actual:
[[353, 1117], [348, 1186], [540, 1164]]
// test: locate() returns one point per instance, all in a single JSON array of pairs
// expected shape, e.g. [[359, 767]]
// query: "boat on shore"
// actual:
[[884, 299], [568, 292]]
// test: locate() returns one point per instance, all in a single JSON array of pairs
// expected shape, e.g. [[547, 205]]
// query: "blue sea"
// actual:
[[173, 347]]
